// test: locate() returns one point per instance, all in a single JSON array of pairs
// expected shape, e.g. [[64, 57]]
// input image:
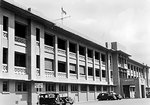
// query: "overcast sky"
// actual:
[[124, 21]]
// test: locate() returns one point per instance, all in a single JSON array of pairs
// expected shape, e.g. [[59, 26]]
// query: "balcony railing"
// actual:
[[81, 57], [96, 61], [5, 34], [90, 78], [20, 70], [90, 60], [37, 43], [61, 75], [49, 73], [37, 72], [5, 68], [73, 76], [49, 49], [62, 52], [20, 40], [103, 63], [83, 77], [72, 55]]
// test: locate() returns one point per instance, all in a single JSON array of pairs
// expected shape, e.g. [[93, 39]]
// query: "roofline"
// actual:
[[34, 15]]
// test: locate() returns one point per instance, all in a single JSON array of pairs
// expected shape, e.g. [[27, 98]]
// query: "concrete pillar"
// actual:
[[42, 60], [100, 66], [55, 58], [68, 71], [11, 39], [94, 77], [1, 38], [86, 63], [78, 71]]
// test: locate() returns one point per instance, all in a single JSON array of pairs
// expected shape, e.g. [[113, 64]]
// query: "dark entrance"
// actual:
[[126, 91], [142, 91]]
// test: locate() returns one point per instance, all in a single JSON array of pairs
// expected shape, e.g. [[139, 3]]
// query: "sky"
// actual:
[[124, 21]]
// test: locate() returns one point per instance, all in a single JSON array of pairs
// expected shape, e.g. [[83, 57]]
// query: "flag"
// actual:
[[63, 11]]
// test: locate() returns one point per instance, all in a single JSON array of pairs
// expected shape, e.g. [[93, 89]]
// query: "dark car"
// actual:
[[148, 94], [67, 100], [118, 96], [106, 96], [54, 99]]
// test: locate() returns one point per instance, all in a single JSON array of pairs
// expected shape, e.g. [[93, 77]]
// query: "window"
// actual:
[[83, 87], [74, 87], [49, 39], [20, 59], [72, 47], [97, 55], [128, 66], [61, 66], [81, 50], [37, 34], [5, 55], [103, 57], [61, 44], [37, 61], [48, 64], [21, 87], [90, 53], [82, 70], [50, 87], [104, 88], [5, 23], [98, 88], [104, 73], [72, 68], [90, 71], [5, 86], [63, 87], [91, 88], [97, 72], [20, 30]]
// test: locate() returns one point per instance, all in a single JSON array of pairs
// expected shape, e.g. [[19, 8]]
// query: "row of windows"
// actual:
[[49, 87], [19, 86], [21, 31]]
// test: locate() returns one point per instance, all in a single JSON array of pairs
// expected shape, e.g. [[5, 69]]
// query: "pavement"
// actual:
[[140, 101]]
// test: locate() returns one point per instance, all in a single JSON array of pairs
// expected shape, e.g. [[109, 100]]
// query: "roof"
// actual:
[[34, 15]]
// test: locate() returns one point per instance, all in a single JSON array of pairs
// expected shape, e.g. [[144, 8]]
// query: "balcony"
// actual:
[[72, 55], [20, 41], [5, 68], [96, 62], [61, 52], [82, 77], [81, 57], [49, 73], [61, 75], [73, 76], [37, 72], [20, 70], [49, 49], [125, 66], [103, 63], [90, 60], [5, 34], [37, 43]]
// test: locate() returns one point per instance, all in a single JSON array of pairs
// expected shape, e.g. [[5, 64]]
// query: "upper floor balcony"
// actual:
[[20, 41], [49, 49]]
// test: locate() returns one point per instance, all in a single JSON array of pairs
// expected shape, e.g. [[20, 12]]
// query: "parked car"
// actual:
[[54, 99], [148, 94], [106, 96], [118, 96]]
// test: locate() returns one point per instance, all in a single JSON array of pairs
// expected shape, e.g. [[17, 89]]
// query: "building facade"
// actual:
[[39, 56]]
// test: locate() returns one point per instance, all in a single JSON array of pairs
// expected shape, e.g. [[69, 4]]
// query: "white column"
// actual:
[[78, 71], [86, 63], [68, 72], [55, 56], [42, 59], [94, 77], [11, 38], [1, 38]]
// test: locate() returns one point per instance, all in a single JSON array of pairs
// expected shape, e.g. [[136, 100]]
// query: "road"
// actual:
[[145, 101]]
